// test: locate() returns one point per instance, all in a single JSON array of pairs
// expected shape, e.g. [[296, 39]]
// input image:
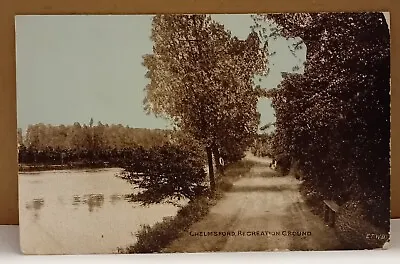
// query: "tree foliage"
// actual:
[[86, 145], [262, 145], [86, 137], [201, 77], [335, 118], [166, 173]]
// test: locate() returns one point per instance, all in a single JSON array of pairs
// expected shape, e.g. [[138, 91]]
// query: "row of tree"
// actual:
[[201, 77], [90, 144], [334, 120], [90, 137], [86, 144]]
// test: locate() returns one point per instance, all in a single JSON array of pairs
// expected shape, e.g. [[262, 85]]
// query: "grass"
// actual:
[[354, 230], [351, 225], [153, 239], [232, 173]]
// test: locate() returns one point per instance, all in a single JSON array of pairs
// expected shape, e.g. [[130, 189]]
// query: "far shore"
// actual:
[[52, 167]]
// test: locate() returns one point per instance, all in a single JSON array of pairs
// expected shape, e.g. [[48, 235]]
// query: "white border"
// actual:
[[10, 253]]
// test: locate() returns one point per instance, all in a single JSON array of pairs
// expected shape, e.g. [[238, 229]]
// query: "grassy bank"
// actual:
[[153, 239], [352, 227]]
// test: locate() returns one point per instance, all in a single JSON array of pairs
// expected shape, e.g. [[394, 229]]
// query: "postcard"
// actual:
[[174, 133]]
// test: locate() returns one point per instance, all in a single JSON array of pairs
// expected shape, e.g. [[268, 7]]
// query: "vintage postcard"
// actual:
[[203, 133]]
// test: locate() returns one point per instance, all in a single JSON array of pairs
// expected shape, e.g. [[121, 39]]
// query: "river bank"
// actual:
[[69, 166], [154, 239], [81, 211]]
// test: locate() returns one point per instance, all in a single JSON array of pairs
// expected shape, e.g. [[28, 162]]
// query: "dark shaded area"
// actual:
[[33, 159], [165, 172], [333, 121]]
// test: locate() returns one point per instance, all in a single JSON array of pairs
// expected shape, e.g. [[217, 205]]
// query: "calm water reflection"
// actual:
[[93, 201], [81, 212]]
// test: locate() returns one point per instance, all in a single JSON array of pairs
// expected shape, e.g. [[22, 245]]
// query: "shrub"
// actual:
[[353, 227], [164, 173]]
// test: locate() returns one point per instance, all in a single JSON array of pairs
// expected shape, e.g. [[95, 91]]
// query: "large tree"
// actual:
[[201, 77], [335, 118]]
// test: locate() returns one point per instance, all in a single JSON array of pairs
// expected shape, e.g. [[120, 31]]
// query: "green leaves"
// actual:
[[201, 77], [334, 119], [95, 137], [165, 173]]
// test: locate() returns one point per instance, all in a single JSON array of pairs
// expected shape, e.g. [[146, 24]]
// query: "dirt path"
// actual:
[[260, 213]]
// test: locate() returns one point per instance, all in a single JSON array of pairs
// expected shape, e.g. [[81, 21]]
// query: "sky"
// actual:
[[73, 68]]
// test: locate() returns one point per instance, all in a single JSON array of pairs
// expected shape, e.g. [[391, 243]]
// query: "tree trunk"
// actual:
[[211, 170]]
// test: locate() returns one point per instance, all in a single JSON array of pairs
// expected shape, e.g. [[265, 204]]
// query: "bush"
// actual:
[[164, 173], [353, 227]]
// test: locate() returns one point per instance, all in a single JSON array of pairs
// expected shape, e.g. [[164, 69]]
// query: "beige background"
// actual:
[[8, 124]]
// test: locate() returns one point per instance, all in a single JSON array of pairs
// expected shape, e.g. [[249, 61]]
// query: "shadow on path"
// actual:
[[258, 214]]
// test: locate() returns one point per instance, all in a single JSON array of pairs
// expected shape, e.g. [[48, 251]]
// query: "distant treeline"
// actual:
[[262, 145], [90, 137], [89, 145], [164, 163], [86, 144]]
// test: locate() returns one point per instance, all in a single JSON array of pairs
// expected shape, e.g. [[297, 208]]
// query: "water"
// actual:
[[81, 211]]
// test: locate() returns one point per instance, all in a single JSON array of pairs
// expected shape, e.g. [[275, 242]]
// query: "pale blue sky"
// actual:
[[72, 68]]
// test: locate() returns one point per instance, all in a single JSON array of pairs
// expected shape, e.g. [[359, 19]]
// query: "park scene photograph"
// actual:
[[175, 133]]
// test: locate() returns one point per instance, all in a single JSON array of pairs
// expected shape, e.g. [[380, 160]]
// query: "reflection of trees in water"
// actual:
[[92, 200], [76, 200], [114, 198], [97, 200], [35, 205]]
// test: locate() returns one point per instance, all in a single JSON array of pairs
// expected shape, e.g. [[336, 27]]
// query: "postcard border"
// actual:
[[8, 124]]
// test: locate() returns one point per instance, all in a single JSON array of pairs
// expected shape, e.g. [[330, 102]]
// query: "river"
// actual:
[[81, 212]]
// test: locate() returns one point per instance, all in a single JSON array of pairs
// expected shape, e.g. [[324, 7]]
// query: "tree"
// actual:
[[76, 137], [20, 140], [165, 174], [335, 119], [32, 136], [201, 79]]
